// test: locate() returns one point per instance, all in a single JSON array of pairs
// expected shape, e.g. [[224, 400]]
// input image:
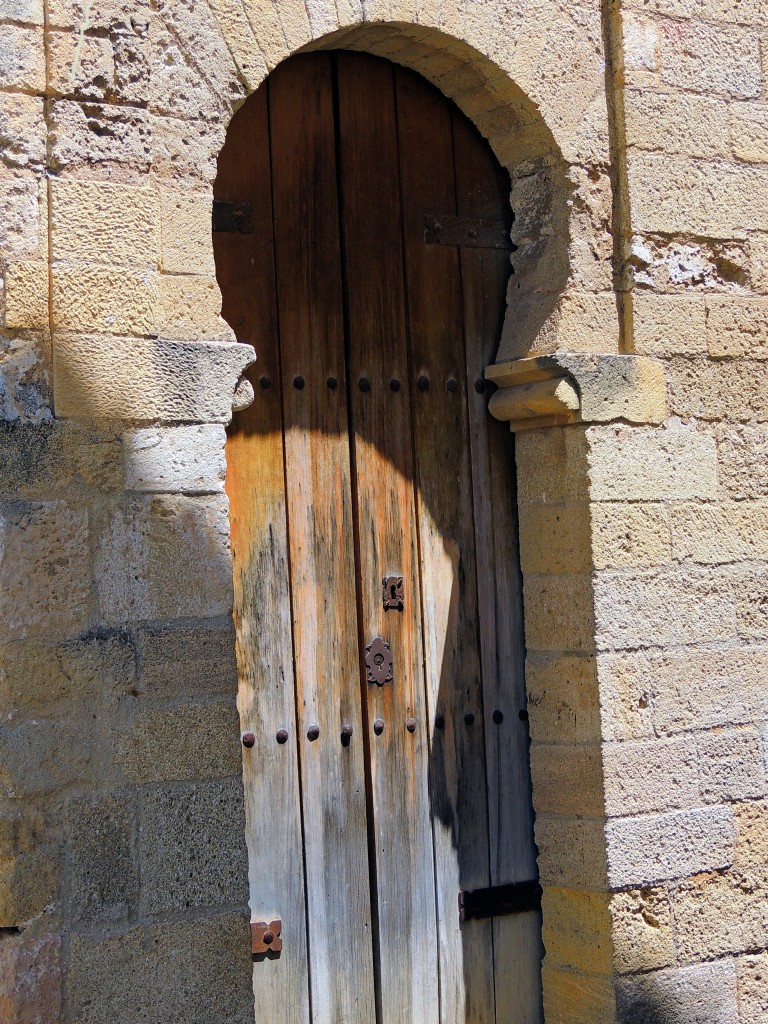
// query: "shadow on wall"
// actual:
[[701, 994]]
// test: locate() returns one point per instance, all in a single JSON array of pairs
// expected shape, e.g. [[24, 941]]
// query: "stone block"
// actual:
[[571, 997], [45, 755], [101, 15], [22, 58], [751, 820], [682, 267], [22, 216], [186, 148], [176, 88], [712, 59], [717, 534], [640, 43], [571, 851], [178, 662], [734, 12], [192, 847], [104, 222], [39, 460], [669, 324], [122, 379], [187, 459], [29, 12], [737, 326], [758, 251], [642, 933], [112, 976], [25, 386], [654, 607], [626, 535], [567, 778], [103, 880], [190, 307], [703, 994], [165, 558], [555, 539], [115, 300], [626, 687], [186, 232], [45, 570], [650, 775], [81, 66], [732, 764], [677, 122], [655, 847], [551, 468], [31, 979], [26, 295], [29, 885], [199, 741], [749, 131], [743, 461], [576, 929], [563, 700], [751, 602], [752, 985], [648, 464], [22, 128], [90, 134], [559, 612], [720, 914]]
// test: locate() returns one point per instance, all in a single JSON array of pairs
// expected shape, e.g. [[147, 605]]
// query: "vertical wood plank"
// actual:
[[458, 787], [381, 424], [483, 192], [321, 540], [256, 489]]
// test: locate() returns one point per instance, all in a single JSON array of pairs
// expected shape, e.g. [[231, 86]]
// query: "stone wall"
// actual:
[[637, 141]]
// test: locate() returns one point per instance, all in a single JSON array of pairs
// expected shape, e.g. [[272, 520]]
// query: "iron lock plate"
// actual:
[[379, 662], [393, 592]]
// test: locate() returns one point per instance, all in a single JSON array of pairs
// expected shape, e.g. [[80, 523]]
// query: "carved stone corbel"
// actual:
[[576, 387]]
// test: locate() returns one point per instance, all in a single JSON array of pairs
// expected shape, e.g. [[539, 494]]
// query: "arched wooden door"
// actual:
[[361, 231]]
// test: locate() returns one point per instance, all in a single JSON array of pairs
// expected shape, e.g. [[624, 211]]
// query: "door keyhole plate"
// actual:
[[378, 661], [393, 591]]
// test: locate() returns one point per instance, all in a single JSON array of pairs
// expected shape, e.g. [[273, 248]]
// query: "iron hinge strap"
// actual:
[[467, 232], [498, 900], [232, 217]]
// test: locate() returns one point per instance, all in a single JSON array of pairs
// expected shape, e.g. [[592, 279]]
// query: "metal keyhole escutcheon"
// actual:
[[378, 661]]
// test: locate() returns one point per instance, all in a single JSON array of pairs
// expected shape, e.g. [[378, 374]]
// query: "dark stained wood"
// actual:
[[256, 489], [321, 540], [483, 191], [444, 479], [383, 440]]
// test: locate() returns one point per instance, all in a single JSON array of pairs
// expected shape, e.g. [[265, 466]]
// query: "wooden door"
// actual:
[[365, 258]]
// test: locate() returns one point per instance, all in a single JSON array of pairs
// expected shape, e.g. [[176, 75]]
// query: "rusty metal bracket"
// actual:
[[393, 592], [467, 232], [378, 661], [265, 937], [499, 900], [232, 217]]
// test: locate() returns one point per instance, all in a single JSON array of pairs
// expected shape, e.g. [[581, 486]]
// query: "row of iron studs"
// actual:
[[422, 383]]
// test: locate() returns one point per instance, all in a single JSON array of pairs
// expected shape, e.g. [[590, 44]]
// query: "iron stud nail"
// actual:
[[423, 383], [523, 715], [313, 732], [282, 736], [480, 386], [365, 384], [469, 718], [332, 383], [346, 735], [265, 382], [269, 938], [410, 724], [439, 721], [498, 717], [248, 739], [298, 382], [394, 384], [452, 384], [378, 726]]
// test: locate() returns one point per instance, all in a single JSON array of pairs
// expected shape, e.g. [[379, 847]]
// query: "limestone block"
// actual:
[[151, 751], [551, 469], [650, 775], [576, 929], [117, 378], [81, 66], [25, 389], [559, 614], [563, 701], [751, 820], [749, 131], [89, 134], [22, 58], [710, 58], [655, 847], [21, 215], [26, 295], [103, 881], [186, 148], [579, 321], [190, 307], [677, 122], [555, 539], [39, 460], [130, 46], [45, 574], [685, 266], [734, 12], [179, 662], [758, 253], [23, 131], [29, 885], [748, 583], [625, 535], [669, 324], [723, 200], [721, 913], [732, 764], [241, 43], [165, 558], [30, 12], [41, 756], [641, 41], [176, 87], [737, 326], [651, 607], [642, 932], [567, 778], [116, 300], [743, 461], [104, 222], [714, 390], [643, 464], [702, 994], [625, 696], [200, 826], [188, 459], [100, 15], [752, 983], [717, 534], [186, 230], [571, 997], [31, 979], [571, 851]]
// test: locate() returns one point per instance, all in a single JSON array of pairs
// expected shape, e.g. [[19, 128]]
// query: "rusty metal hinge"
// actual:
[[499, 900], [265, 937], [467, 232], [232, 217]]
